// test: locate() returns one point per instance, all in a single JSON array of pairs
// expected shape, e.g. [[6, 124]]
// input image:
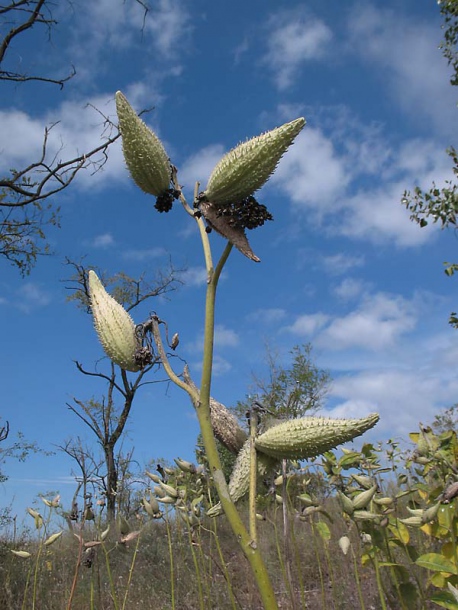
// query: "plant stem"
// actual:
[[248, 545]]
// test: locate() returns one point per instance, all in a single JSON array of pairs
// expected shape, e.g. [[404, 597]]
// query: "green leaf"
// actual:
[[445, 600], [323, 530], [437, 563]]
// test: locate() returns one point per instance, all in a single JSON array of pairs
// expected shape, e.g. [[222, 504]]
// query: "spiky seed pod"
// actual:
[[248, 166], [412, 521], [239, 482], [311, 436], [224, 423], [144, 153], [114, 326]]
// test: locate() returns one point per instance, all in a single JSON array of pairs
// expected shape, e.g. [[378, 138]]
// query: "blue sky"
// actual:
[[342, 266]]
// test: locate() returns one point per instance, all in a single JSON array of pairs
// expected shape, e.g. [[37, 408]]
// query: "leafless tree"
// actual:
[[27, 195]]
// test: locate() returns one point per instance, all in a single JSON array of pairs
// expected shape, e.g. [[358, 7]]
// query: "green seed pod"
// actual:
[[23, 554], [362, 480], [114, 326], [52, 538], [153, 477], [412, 521], [169, 490], [185, 466], [363, 499], [248, 166], [347, 504], [144, 154], [430, 513], [239, 483], [364, 515], [311, 436], [386, 501]]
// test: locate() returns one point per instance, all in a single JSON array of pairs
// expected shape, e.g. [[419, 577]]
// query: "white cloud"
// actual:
[[143, 255], [225, 337], [194, 276], [313, 174], [31, 296], [403, 398], [293, 39], [102, 241], [349, 288], [199, 166], [341, 263], [404, 52], [376, 324], [267, 316], [308, 324]]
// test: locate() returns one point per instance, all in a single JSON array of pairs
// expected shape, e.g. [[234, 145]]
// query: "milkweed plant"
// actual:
[[228, 207]]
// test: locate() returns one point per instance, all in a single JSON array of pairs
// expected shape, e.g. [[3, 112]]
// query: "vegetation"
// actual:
[[374, 528]]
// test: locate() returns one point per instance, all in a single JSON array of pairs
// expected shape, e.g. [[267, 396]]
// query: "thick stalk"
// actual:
[[248, 545]]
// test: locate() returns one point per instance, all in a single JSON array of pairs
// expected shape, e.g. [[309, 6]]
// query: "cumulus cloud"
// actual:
[[143, 255], [341, 263], [403, 398], [349, 288], [312, 173], [199, 166], [294, 38], [102, 241], [31, 296], [405, 52], [376, 324]]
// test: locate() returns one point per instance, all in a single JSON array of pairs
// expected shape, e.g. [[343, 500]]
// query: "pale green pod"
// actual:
[[239, 482], [344, 543], [347, 504], [248, 166], [365, 515], [114, 326], [144, 153], [23, 554], [362, 500], [52, 538], [169, 490], [311, 436], [431, 513], [412, 521], [364, 481], [386, 501], [153, 477]]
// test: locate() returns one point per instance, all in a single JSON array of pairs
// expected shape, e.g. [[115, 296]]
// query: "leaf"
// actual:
[[445, 599], [400, 531], [437, 563], [323, 530]]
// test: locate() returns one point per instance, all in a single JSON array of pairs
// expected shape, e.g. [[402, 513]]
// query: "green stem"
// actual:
[[172, 573], [253, 474], [248, 545], [131, 572]]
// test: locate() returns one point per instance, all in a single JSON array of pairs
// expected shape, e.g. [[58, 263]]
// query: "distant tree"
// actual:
[[288, 392], [107, 417], [446, 420], [27, 206]]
